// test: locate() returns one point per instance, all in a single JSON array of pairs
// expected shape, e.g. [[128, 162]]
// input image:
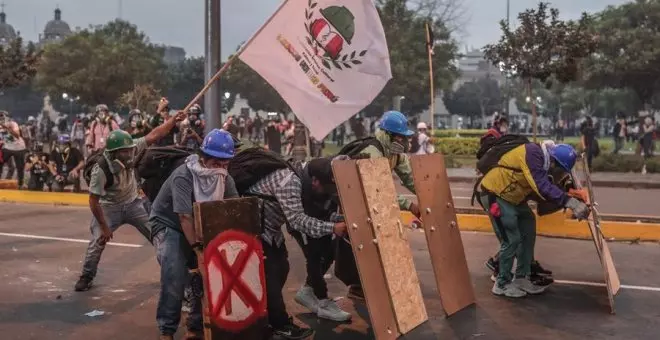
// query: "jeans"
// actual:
[[276, 267], [68, 179], [19, 160], [174, 279], [115, 215], [516, 230], [319, 255]]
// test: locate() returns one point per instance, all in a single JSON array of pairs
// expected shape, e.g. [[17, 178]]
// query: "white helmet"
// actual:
[[421, 125]]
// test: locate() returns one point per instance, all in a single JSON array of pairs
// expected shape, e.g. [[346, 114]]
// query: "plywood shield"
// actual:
[[392, 242], [233, 273], [612, 281], [443, 236], [366, 253]]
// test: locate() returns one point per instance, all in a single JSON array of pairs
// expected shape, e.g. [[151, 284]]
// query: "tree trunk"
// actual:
[[532, 101], [299, 152]]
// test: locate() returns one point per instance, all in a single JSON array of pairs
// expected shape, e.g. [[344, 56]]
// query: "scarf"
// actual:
[[208, 184], [547, 144]]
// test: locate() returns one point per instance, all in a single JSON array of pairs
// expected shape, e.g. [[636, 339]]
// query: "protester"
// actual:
[[193, 129], [281, 190], [202, 178], [319, 199], [137, 124], [619, 133], [422, 143], [163, 115], [588, 140], [648, 129], [273, 139], [503, 194], [37, 165], [13, 146], [100, 129], [66, 163], [391, 142], [78, 133], [113, 193]]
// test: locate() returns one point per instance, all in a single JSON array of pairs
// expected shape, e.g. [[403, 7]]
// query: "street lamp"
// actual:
[[66, 96], [227, 95]]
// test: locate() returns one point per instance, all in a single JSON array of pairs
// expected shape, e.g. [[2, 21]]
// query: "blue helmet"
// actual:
[[395, 122], [218, 144], [565, 156], [63, 139]]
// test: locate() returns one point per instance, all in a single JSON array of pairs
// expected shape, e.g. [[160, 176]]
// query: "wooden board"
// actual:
[[392, 243], [612, 281], [443, 236], [212, 219], [372, 277]]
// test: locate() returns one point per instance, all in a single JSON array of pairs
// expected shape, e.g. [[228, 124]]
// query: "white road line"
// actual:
[[599, 284], [38, 237]]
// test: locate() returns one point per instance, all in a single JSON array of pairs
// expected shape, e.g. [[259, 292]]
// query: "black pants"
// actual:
[[319, 255], [19, 160], [276, 267], [345, 266]]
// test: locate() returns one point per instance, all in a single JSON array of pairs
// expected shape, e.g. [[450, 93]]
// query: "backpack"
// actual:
[[253, 164], [355, 147], [97, 158], [155, 164], [491, 150]]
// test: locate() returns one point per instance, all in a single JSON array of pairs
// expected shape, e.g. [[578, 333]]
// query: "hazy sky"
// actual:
[[181, 22]]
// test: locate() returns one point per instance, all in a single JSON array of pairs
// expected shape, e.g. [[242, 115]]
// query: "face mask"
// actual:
[[125, 159], [504, 130], [397, 148]]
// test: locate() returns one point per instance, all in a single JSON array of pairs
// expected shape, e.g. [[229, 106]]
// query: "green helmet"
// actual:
[[119, 139]]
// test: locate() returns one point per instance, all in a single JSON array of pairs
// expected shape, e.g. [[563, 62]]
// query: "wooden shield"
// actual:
[[442, 234]]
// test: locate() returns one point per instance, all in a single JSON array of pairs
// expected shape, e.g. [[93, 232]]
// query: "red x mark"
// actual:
[[232, 280]]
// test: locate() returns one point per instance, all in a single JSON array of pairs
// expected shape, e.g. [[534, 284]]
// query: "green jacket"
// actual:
[[400, 163]]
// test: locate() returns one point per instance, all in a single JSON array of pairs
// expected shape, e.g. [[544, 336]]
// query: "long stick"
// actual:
[[533, 102], [430, 52], [231, 60]]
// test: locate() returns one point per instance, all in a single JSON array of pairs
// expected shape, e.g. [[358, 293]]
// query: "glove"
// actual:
[[580, 210], [580, 194]]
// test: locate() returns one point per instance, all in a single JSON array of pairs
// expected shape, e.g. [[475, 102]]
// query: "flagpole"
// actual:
[[430, 52], [231, 60]]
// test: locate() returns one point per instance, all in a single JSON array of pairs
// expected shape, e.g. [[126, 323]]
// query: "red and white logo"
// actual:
[[235, 280]]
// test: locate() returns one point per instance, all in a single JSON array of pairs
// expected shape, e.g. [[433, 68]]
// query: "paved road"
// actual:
[[611, 200], [37, 301]]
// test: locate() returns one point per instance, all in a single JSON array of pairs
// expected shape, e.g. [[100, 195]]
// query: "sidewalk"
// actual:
[[600, 179]]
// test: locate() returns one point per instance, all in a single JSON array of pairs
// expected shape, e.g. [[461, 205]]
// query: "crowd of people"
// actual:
[[299, 195]]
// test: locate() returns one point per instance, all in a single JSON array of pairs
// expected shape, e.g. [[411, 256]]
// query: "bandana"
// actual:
[[547, 144], [208, 184]]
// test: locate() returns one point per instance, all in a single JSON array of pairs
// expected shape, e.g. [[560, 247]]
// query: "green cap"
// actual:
[[118, 140]]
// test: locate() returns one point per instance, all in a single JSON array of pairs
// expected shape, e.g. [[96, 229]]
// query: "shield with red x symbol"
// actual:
[[235, 279]]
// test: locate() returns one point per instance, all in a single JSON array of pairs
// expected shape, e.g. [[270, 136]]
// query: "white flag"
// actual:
[[328, 59]]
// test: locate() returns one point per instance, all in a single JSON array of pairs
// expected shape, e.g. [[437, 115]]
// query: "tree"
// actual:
[[406, 39], [542, 47], [629, 49], [101, 63], [241, 79], [477, 98], [143, 97], [17, 63], [184, 80]]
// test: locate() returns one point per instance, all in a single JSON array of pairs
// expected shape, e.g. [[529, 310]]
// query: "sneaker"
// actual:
[[509, 290], [541, 280], [492, 264], [84, 283], [355, 292], [306, 298], [527, 286], [493, 277], [536, 268], [293, 331], [328, 309]]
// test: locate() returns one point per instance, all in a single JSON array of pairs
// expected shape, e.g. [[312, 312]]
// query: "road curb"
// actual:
[[554, 225], [597, 183]]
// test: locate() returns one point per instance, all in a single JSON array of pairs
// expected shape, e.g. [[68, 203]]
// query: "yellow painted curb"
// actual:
[[558, 225], [555, 225], [38, 197]]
